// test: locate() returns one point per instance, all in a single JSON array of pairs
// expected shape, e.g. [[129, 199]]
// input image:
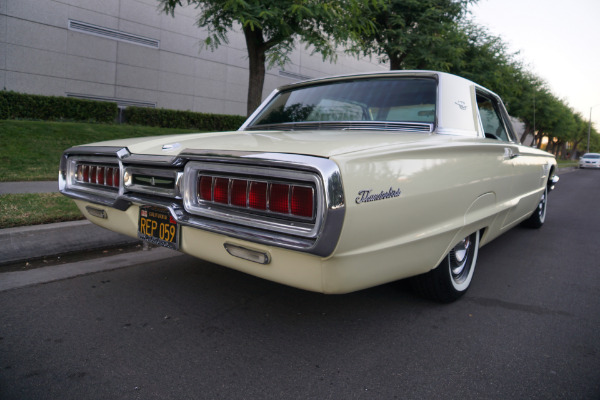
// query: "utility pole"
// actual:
[[590, 128]]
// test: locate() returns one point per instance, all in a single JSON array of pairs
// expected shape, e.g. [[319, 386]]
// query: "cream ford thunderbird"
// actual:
[[332, 185]]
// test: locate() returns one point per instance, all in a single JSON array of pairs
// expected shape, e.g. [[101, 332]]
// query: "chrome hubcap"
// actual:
[[542, 206], [459, 260]]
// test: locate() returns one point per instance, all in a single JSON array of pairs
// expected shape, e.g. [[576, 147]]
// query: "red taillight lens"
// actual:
[[100, 175], [257, 195], [302, 201], [110, 174], [205, 188], [279, 198], [93, 172], [294, 200], [221, 191], [238, 192]]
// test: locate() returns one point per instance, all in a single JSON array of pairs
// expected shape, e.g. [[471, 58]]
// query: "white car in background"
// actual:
[[590, 160]]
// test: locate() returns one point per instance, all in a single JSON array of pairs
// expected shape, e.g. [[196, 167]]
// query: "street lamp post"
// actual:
[[590, 128]]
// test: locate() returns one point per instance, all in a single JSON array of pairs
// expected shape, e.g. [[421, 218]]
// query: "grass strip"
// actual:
[[31, 150], [567, 163], [36, 208]]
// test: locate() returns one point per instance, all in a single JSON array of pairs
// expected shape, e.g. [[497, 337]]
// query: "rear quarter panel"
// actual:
[[450, 187]]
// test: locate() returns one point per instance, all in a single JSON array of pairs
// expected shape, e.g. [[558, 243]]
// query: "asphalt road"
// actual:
[[529, 328]]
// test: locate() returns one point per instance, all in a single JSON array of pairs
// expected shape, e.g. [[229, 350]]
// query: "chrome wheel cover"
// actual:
[[542, 206], [460, 260]]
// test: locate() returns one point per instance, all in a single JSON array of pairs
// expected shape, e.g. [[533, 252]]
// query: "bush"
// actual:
[[164, 118], [3, 108], [15, 105]]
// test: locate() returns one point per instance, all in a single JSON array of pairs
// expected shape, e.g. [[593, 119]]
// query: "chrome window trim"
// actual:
[[248, 125], [392, 126]]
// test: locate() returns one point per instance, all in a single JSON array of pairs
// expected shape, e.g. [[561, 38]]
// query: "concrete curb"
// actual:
[[31, 242], [19, 279]]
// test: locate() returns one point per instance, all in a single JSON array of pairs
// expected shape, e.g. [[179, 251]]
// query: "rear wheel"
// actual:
[[451, 279], [539, 215]]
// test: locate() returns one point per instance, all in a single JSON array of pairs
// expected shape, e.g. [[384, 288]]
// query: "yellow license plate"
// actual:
[[157, 226]]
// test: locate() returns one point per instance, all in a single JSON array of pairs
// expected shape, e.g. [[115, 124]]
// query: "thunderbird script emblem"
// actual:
[[365, 196]]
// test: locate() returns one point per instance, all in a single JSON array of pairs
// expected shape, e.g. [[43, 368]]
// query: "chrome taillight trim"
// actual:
[[249, 183], [320, 239], [91, 186], [264, 220]]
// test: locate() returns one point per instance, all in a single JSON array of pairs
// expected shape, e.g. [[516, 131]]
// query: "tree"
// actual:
[[270, 28], [414, 34]]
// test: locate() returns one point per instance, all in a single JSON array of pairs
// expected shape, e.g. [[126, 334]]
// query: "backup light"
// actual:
[[247, 254]]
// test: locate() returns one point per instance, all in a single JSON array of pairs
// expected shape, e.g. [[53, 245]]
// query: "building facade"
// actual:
[[129, 52]]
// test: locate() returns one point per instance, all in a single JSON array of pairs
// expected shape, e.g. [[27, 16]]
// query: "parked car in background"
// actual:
[[590, 160], [333, 185]]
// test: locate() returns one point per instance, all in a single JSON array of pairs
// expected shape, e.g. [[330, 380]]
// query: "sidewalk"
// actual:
[[31, 242], [28, 187]]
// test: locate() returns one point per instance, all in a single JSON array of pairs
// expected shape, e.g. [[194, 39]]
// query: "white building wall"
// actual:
[[39, 54]]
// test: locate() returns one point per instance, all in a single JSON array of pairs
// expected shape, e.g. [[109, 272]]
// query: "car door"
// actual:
[[516, 164]]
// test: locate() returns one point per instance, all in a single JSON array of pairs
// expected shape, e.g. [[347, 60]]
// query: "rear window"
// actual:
[[394, 99]]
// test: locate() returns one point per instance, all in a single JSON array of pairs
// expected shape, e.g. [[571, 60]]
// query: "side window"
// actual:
[[493, 125]]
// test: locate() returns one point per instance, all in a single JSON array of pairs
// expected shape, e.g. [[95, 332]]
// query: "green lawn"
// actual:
[[31, 150], [36, 208], [567, 163]]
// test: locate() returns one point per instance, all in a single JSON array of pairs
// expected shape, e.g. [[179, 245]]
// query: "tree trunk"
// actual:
[[526, 132], [395, 61], [538, 140], [551, 145], [574, 151], [257, 59]]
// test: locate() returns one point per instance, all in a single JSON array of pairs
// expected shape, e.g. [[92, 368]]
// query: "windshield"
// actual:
[[393, 99], [593, 156]]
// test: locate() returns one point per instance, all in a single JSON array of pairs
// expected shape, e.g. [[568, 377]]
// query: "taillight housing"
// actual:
[[295, 199], [262, 197], [102, 175]]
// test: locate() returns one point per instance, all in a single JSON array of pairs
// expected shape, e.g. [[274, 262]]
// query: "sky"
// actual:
[[558, 40]]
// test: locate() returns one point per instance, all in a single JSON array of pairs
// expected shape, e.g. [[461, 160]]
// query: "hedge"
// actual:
[[181, 119], [15, 105]]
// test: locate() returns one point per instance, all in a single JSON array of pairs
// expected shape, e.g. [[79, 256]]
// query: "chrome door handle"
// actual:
[[509, 154]]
